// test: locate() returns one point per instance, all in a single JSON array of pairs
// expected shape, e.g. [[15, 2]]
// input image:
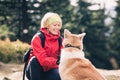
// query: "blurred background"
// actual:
[[100, 19]]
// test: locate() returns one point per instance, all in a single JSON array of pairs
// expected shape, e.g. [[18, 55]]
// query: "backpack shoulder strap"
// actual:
[[42, 37], [60, 41]]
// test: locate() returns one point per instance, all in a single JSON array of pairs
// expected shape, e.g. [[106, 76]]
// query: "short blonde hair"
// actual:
[[50, 18]]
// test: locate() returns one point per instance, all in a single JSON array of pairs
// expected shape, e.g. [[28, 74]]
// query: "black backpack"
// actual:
[[27, 53]]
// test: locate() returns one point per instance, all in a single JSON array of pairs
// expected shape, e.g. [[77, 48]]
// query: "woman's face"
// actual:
[[54, 28]]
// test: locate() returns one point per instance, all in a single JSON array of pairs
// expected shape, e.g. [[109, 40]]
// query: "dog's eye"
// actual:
[[78, 47], [67, 45]]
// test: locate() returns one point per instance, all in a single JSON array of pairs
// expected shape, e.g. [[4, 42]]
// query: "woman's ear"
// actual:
[[66, 33]]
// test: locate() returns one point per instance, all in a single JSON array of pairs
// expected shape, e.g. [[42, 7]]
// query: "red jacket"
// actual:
[[46, 56]]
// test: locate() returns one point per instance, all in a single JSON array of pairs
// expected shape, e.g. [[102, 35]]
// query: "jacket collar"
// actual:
[[48, 35]]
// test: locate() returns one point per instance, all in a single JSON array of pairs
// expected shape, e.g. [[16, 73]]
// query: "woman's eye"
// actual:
[[54, 25]]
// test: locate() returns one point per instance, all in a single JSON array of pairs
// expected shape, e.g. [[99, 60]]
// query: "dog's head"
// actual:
[[73, 40]]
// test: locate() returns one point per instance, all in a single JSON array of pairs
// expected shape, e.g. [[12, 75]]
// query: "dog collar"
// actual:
[[68, 45]]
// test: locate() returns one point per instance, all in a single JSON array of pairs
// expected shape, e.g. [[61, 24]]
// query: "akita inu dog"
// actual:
[[73, 64]]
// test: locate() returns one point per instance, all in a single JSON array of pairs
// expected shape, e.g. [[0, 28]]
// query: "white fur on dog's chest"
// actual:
[[68, 55]]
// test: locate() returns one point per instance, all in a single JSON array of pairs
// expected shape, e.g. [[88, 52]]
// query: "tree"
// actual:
[[92, 22], [114, 39]]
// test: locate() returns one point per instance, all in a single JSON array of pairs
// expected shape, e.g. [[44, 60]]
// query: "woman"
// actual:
[[43, 63]]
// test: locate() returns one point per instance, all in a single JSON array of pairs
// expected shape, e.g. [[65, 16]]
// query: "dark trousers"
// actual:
[[34, 71]]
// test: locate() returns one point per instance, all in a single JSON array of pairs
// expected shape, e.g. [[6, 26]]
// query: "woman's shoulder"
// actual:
[[35, 37]]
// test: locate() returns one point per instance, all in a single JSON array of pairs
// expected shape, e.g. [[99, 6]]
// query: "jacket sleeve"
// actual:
[[40, 53]]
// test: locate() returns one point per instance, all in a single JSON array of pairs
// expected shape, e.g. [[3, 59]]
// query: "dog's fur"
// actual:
[[73, 64]]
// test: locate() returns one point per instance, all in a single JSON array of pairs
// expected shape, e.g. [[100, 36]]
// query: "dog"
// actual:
[[73, 64]]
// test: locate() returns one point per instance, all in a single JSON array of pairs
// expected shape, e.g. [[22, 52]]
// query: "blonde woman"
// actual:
[[43, 63]]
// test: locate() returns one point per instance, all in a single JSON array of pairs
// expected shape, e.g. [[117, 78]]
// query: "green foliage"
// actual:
[[12, 51], [5, 32], [113, 45]]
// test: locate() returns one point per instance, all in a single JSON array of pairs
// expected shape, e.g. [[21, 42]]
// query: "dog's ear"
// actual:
[[81, 36], [66, 33]]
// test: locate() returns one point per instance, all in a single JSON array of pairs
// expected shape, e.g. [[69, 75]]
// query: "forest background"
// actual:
[[100, 19]]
